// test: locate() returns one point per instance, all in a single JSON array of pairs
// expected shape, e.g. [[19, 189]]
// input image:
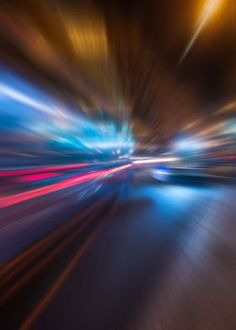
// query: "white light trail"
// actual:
[[208, 11], [155, 160]]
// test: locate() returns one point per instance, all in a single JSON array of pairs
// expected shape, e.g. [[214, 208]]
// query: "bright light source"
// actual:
[[209, 9], [161, 174], [188, 145], [156, 160]]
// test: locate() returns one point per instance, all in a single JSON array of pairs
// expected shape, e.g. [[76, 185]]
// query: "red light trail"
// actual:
[[28, 195]]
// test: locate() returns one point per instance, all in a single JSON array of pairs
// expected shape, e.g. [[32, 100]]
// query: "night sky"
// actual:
[[146, 41]]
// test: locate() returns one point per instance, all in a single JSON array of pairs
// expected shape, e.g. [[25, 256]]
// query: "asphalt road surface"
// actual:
[[142, 256]]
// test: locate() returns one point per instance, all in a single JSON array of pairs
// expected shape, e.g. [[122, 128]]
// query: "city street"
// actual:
[[149, 255]]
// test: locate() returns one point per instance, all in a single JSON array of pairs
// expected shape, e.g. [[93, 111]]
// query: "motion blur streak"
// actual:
[[209, 9], [155, 160], [11, 200], [40, 170], [117, 165], [37, 177]]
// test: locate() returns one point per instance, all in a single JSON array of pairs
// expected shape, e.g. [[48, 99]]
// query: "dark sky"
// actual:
[[147, 39], [166, 26], [154, 34]]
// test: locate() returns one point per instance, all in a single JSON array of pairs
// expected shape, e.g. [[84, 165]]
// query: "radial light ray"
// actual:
[[208, 11]]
